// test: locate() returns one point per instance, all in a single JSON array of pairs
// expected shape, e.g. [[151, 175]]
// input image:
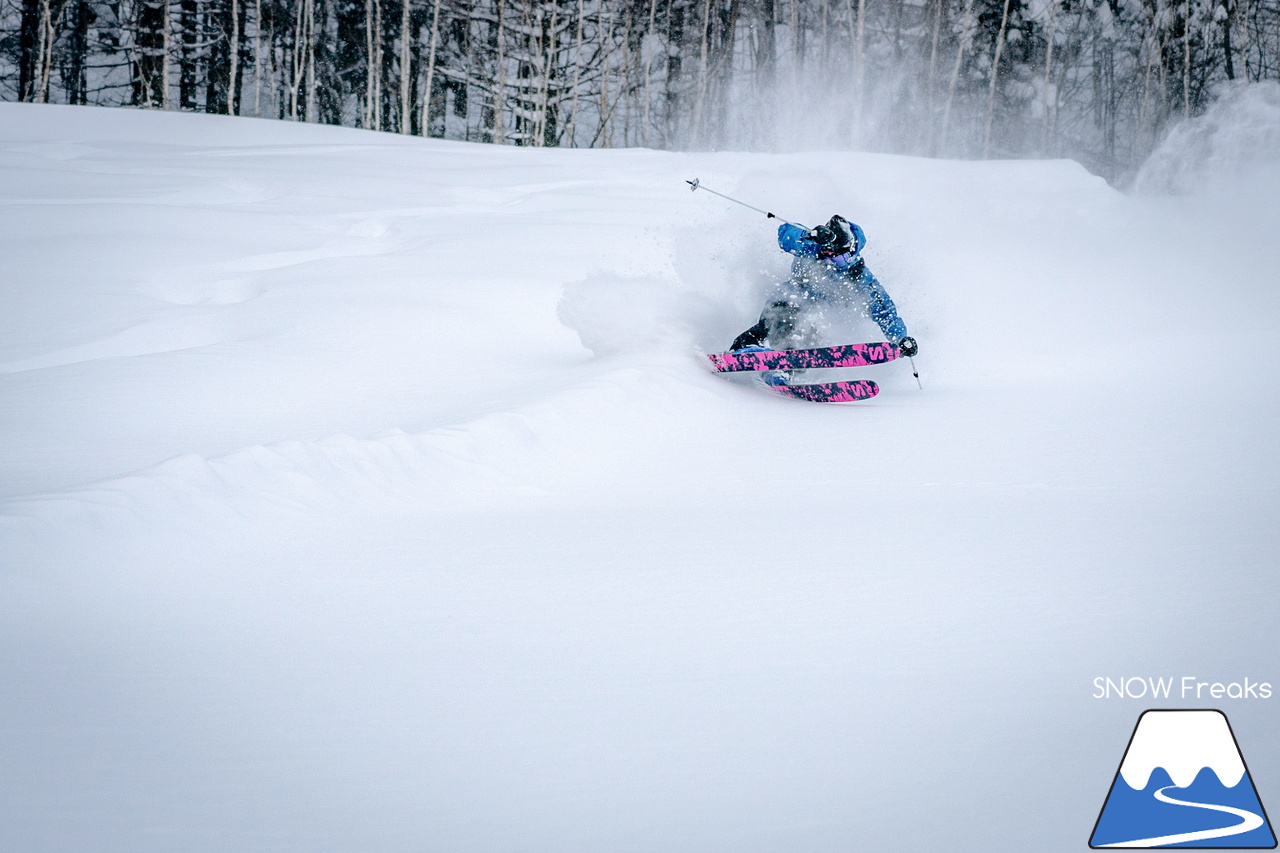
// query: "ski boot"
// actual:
[[774, 378]]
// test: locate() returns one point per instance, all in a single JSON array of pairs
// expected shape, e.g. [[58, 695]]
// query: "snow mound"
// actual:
[[615, 314], [1237, 137]]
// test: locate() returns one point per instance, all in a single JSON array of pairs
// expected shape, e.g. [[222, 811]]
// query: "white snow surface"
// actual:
[[365, 493], [1183, 743]]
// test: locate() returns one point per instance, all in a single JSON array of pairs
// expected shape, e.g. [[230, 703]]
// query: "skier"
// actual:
[[828, 269]]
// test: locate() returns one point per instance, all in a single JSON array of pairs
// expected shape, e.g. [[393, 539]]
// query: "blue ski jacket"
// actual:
[[840, 279]]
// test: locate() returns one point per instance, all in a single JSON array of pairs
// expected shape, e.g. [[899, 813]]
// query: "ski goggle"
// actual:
[[841, 261]]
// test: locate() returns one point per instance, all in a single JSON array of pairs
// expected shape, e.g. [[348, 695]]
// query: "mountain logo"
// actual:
[[1183, 783]]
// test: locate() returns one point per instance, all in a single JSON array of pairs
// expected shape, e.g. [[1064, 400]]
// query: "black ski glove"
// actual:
[[908, 347]]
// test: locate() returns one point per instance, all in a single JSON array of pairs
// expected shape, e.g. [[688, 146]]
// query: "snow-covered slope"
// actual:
[[363, 493]]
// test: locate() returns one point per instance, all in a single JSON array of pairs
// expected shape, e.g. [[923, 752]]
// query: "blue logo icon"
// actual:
[[1183, 783]]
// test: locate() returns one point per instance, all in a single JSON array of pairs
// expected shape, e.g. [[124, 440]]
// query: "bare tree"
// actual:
[[994, 76], [150, 88], [1100, 81]]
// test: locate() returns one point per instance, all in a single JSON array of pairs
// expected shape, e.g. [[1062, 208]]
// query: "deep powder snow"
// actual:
[[365, 493]]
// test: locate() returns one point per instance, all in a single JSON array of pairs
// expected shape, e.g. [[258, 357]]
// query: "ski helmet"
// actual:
[[834, 238]]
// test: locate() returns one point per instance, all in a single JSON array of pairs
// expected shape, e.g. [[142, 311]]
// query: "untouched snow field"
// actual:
[[364, 493]]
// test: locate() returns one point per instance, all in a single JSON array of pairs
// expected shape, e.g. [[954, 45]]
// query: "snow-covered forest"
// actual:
[[1099, 81]]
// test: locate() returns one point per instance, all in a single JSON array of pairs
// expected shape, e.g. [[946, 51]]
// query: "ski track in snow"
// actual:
[[1248, 822]]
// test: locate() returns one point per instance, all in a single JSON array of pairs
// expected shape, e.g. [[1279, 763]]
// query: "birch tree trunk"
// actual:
[[376, 62], [164, 70], [796, 59], [234, 47], [1186, 59], [572, 130], [373, 64], [44, 53], [1145, 103], [311, 60], [1048, 70], [1249, 44], [648, 73], [431, 69], [152, 46], [726, 45], [1228, 17], [931, 73], [298, 62], [152, 42], [626, 87], [367, 119], [1165, 106], [699, 102], [604, 130], [257, 57], [995, 75], [499, 81], [303, 70], [548, 110], [824, 53], [860, 70], [406, 70], [966, 32]]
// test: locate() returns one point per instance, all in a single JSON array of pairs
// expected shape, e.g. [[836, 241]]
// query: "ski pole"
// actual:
[[915, 372], [696, 185]]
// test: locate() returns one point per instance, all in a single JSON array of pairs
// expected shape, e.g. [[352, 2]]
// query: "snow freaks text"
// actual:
[[1186, 687]]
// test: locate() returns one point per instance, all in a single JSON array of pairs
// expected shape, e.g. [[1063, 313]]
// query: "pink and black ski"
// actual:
[[846, 355], [830, 392]]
